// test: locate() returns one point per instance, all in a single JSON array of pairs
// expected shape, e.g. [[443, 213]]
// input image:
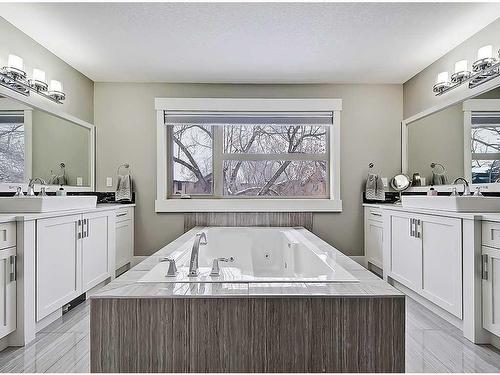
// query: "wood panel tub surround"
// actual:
[[248, 219], [255, 334]]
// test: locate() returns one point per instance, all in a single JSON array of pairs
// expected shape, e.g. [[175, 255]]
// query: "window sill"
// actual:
[[248, 205]]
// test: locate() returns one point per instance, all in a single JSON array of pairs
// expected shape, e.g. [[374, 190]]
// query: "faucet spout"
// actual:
[[465, 183], [200, 239], [31, 184]]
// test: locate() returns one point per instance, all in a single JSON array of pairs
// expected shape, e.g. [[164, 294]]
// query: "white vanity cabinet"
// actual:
[[74, 253], [490, 275], [424, 253], [97, 248], [8, 276], [374, 236], [124, 236]]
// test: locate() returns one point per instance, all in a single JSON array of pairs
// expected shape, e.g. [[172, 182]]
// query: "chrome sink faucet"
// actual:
[[31, 184], [465, 183], [200, 239]]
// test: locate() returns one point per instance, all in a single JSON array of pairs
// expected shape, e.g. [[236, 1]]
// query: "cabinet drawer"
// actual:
[[7, 235], [123, 214], [491, 234], [374, 214]]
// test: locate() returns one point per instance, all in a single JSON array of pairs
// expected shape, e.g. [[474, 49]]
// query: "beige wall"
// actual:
[[438, 138], [370, 132], [417, 92], [55, 140], [79, 89]]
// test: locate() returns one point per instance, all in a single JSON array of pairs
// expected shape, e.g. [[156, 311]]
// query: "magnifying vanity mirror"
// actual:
[[400, 183], [461, 140], [37, 144]]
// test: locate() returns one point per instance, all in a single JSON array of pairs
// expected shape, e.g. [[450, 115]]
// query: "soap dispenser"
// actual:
[[432, 192], [61, 192]]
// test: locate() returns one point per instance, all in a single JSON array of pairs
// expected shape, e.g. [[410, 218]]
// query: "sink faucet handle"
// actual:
[[478, 192], [215, 265], [19, 190], [172, 268]]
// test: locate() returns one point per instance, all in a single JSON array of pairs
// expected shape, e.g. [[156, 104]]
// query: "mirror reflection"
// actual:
[[37, 144], [454, 143]]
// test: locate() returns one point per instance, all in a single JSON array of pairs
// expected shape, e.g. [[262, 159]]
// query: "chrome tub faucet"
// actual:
[[200, 239]]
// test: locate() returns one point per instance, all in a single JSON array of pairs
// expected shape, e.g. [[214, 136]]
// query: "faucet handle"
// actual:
[[19, 190], [478, 192], [215, 265], [172, 268]]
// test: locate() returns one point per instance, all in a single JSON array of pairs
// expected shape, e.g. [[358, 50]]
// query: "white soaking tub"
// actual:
[[260, 255]]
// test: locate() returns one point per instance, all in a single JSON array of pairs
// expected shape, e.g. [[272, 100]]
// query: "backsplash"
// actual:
[[102, 197]]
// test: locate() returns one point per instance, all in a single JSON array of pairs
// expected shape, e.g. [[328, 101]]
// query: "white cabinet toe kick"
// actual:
[[446, 261], [46, 261]]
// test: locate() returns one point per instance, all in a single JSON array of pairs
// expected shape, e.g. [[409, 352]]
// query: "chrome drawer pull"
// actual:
[[484, 267]]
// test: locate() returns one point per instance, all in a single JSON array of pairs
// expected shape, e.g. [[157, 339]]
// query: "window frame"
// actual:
[[202, 203]]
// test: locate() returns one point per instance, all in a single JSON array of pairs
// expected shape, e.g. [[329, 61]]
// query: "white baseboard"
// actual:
[[136, 260], [359, 259]]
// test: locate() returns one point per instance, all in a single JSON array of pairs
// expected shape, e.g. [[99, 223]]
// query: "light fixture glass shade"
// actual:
[[443, 77], [38, 75], [485, 52], [55, 86], [461, 66], [15, 62]]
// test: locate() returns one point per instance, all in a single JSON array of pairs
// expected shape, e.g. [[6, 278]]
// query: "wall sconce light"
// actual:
[[442, 82], [485, 59], [461, 72], [15, 67], [13, 76], [484, 69], [38, 81], [56, 90]]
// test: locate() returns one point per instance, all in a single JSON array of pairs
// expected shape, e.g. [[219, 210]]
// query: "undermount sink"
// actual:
[[452, 203], [40, 204]]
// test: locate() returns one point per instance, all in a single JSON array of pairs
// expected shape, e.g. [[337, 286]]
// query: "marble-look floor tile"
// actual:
[[432, 344]]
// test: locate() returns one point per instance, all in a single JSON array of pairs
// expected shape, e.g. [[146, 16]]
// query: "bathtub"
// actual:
[[259, 255]]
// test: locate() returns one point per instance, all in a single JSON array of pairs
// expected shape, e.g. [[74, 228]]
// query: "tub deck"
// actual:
[[248, 327]]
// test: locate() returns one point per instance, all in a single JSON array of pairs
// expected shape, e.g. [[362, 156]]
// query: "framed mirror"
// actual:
[[458, 140], [36, 143]]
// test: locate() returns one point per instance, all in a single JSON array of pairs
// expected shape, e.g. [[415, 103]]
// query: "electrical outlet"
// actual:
[[384, 181], [79, 181], [109, 181]]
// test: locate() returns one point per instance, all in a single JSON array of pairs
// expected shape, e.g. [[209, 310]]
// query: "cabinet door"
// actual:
[[405, 252], [7, 291], [374, 232], [124, 243], [491, 291], [58, 261], [442, 262], [96, 258]]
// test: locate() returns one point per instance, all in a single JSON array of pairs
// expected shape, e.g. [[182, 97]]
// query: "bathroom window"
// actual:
[[248, 155], [485, 147], [271, 155], [12, 150]]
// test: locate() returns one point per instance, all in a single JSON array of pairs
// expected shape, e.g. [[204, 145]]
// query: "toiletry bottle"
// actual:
[[432, 192], [61, 192]]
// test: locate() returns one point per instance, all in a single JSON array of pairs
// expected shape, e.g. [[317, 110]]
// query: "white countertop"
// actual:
[[489, 216], [8, 217]]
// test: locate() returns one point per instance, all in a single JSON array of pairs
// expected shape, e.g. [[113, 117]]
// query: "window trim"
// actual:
[[165, 204]]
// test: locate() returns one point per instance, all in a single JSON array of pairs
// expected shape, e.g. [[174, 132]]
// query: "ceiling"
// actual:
[[250, 42]]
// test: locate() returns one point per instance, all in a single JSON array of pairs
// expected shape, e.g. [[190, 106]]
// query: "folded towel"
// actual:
[[374, 188], [439, 179], [124, 189]]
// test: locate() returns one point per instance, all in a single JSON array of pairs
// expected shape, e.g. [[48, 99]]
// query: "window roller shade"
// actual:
[[250, 119], [485, 118], [11, 117]]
